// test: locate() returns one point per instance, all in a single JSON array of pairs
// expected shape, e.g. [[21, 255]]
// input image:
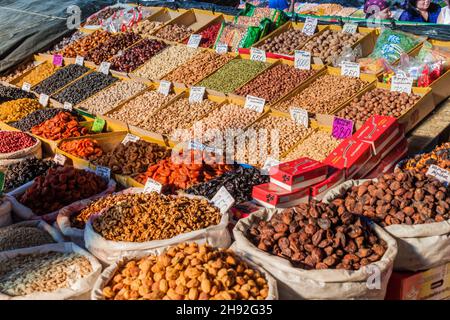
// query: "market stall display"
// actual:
[[174, 32], [15, 110], [39, 116], [37, 74], [63, 125], [146, 28], [12, 141], [66, 41], [60, 78], [317, 147], [236, 36], [209, 35], [17, 71], [440, 156], [8, 93], [84, 45], [19, 173], [86, 148], [286, 42]]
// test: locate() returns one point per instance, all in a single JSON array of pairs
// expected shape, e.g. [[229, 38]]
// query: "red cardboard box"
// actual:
[[296, 174], [319, 190], [350, 155], [389, 162], [272, 196], [392, 146], [433, 284], [379, 131]]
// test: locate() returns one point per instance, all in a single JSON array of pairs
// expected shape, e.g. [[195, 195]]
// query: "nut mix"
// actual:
[[19, 236], [133, 157], [109, 98], [286, 42], [60, 78], [379, 101], [440, 157], [199, 67], [87, 148], [137, 55], [174, 32], [82, 46], [17, 109], [12, 141], [63, 125], [317, 147], [146, 28], [187, 272], [134, 111], [165, 61], [233, 75], [17, 71], [324, 95], [275, 82], [38, 74], [19, 173], [11, 93], [85, 87], [318, 236], [39, 116], [42, 272], [59, 187], [403, 197], [148, 217]]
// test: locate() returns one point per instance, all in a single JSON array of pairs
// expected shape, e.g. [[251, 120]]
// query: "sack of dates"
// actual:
[[318, 251], [412, 207]]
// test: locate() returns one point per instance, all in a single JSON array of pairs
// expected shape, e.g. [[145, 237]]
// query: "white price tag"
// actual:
[[257, 55], [194, 40], [350, 69], [104, 67], [302, 60], [196, 94], [79, 60], [130, 138], [300, 116], [309, 28], [60, 159], [221, 48], [164, 87], [68, 106], [270, 162], [350, 28], [255, 103], [223, 200], [26, 86], [103, 172], [439, 173], [43, 99], [152, 186], [402, 84]]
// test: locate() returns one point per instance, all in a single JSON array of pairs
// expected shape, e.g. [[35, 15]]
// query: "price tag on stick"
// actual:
[[43, 99], [223, 200], [68, 106], [350, 28], [98, 125], [79, 60], [302, 60], [255, 103], [350, 69], [196, 94], [342, 128], [402, 84], [58, 60], [130, 138], [60, 159], [222, 48], [103, 172], [194, 40], [104, 67], [300, 116], [439, 173], [257, 55], [152, 186], [26, 86], [164, 87], [309, 28]]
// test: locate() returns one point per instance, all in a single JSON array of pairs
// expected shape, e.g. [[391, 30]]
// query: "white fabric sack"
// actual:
[[296, 283], [26, 213], [5, 213], [108, 251], [63, 221], [79, 290], [110, 271], [420, 247]]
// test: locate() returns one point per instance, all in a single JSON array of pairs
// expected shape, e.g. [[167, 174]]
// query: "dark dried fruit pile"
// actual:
[[400, 198], [39, 116], [11, 93], [60, 78], [18, 174], [319, 236]]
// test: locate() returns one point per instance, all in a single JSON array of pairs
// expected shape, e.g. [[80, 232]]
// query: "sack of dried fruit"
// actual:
[[17, 146], [149, 221], [58, 271], [211, 274], [413, 208], [43, 197], [315, 251], [5, 212]]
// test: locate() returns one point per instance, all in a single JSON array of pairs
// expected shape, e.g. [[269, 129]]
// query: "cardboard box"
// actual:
[[433, 284], [296, 174], [272, 196], [389, 162], [335, 178], [379, 131]]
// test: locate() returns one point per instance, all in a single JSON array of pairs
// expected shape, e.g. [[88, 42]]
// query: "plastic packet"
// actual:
[[348, 54]]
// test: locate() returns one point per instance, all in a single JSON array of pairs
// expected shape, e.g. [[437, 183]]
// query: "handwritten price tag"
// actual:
[[350, 28], [98, 125], [255, 103], [79, 60], [68, 106], [350, 69], [223, 200], [130, 138], [152, 186], [300, 116], [402, 84], [342, 128], [194, 40], [196, 94], [270, 162], [43, 99], [302, 60], [309, 28], [58, 60], [26, 86], [164, 87], [103, 172], [222, 48], [104, 67], [257, 55], [439, 173], [60, 159]]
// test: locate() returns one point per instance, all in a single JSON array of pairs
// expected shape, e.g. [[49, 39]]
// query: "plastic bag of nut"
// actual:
[[58, 278], [369, 282], [421, 246], [109, 251]]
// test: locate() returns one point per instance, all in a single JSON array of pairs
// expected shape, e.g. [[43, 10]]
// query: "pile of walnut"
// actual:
[[187, 272], [318, 236]]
